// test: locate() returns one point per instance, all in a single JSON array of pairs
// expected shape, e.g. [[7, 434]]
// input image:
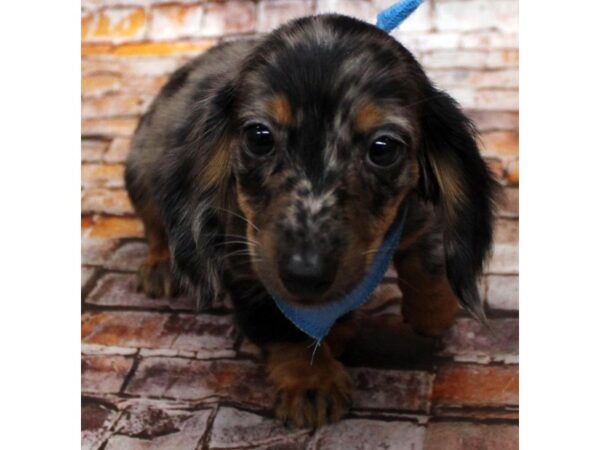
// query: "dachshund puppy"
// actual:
[[277, 165]]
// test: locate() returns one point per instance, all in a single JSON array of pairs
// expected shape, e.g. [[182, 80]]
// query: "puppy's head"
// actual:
[[336, 124]]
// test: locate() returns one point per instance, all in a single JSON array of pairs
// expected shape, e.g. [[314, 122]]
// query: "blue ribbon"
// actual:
[[391, 18]]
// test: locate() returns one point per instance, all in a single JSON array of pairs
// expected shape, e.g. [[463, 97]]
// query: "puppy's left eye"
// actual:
[[385, 151]]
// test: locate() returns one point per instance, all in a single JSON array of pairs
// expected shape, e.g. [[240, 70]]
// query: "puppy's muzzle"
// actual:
[[307, 272]]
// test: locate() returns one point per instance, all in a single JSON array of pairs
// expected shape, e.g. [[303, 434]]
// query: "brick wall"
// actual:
[[129, 47]]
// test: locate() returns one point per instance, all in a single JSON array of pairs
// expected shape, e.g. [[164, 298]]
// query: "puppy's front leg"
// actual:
[[309, 394]]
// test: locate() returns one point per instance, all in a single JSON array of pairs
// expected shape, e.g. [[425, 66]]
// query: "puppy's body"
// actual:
[[277, 165]]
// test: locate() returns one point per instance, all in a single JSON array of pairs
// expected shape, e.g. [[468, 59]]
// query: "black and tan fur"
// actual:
[[325, 88]]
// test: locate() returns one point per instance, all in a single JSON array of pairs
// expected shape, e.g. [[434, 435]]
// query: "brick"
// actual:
[[209, 335], [242, 382], [92, 5], [233, 428], [95, 252], [100, 84], [108, 201], [274, 13], [361, 9], [489, 40], [147, 85], [131, 69], [496, 99], [470, 15], [487, 120], [512, 173], [102, 175], [87, 274], [476, 386], [115, 289], [96, 421], [471, 436], [420, 20], [504, 259], [471, 59], [172, 21], [230, 17], [110, 227], [117, 151], [469, 340], [369, 434], [476, 79], [509, 207], [404, 390], [123, 126], [114, 105], [114, 25], [127, 257], [500, 143], [104, 374], [426, 42], [503, 292], [147, 427], [163, 48], [93, 150]]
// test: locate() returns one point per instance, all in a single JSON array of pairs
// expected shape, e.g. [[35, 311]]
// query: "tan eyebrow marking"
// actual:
[[279, 107], [367, 117]]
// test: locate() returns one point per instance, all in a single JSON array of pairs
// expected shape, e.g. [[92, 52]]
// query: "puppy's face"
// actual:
[[326, 153]]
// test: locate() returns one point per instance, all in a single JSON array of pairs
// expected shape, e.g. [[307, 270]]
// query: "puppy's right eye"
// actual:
[[259, 139]]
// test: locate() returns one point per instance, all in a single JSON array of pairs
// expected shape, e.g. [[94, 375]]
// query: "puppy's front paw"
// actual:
[[308, 395], [156, 280]]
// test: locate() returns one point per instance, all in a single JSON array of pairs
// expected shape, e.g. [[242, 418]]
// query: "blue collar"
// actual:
[[316, 321]]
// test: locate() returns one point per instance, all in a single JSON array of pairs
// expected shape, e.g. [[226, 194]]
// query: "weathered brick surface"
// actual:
[[469, 340], [233, 16], [503, 292], [273, 13], [369, 434], [128, 257], [151, 428], [120, 290], [233, 428], [207, 335], [96, 421], [93, 150], [109, 201], [102, 175], [172, 21], [469, 436], [195, 385], [391, 389], [476, 385], [107, 227], [117, 24], [117, 151], [242, 382], [104, 374]]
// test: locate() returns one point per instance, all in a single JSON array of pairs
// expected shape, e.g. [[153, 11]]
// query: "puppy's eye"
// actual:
[[384, 151], [259, 139]]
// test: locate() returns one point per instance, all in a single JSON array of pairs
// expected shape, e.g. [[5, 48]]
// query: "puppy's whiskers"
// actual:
[[233, 213]]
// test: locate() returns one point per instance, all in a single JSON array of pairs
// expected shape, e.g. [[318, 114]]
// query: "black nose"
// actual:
[[307, 273]]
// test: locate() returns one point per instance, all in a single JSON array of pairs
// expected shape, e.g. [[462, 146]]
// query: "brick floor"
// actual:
[[156, 375]]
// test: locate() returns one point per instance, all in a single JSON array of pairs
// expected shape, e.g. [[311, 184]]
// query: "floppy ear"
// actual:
[[193, 187], [456, 179]]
